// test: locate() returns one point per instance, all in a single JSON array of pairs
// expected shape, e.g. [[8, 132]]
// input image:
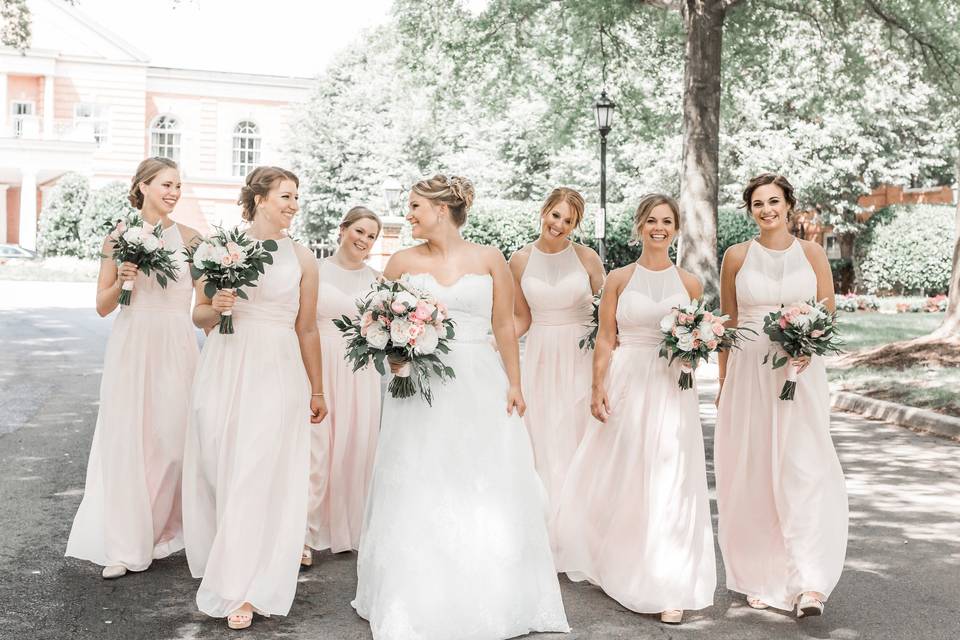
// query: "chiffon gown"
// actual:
[[344, 444], [634, 514], [130, 512], [247, 460], [454, 541], [556, 371], [780, 488]]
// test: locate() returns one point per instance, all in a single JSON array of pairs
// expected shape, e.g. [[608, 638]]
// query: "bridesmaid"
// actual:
[[345, 442], [780, 488], [130, 513], [555, 282], [634, 514], [247, 460]]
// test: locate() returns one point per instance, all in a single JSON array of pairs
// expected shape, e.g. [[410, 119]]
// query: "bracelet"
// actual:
[[317, 394]]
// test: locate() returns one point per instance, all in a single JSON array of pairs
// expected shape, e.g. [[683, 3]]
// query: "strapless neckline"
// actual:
[[464, 276]]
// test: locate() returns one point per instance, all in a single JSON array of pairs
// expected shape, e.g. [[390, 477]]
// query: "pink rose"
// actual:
[[718, 329], [793, 311], [712, 345], [233, 247], [442, 308], [121, 226], [697, 343], [424, 311], [708, 316], [398, 307], [695, 333], [783, 322], [682, 318], [415, 331], [226, 261], [816, 333]]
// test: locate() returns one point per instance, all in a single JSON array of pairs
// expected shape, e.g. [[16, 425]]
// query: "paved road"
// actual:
[[902, 578]]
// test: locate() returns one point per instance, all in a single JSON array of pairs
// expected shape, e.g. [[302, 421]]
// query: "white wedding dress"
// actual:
[[454, 541]]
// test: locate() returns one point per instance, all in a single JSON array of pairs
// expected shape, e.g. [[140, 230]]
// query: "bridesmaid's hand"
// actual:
[[127, 271], [800, 363], [600, 404], [223, 300], [318, 409], [515, 399]]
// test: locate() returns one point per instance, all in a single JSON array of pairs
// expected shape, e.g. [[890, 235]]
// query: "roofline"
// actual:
[[113, 38], [228, 76]]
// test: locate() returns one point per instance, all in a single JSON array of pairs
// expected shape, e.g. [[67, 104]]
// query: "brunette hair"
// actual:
[[456, 192], [647, 204], [258, 183], [565, 194], [359, 213], [147, 170], [769, 178]]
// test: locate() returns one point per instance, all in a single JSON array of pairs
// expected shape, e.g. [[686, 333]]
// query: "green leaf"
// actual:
[[270, 245], [210, 289]]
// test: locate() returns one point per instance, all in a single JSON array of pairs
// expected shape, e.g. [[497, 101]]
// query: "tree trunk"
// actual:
[[699, 177], [951, 322]]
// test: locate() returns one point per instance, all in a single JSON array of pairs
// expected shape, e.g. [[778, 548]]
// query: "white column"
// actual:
[[4, 108], [48, 108], [3, 212], [28, 209]]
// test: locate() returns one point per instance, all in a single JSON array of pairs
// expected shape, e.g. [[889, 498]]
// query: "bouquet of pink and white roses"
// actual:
[[692, 332], [136, 241], [589, 340], [402, 324], [229, 260], [801, 329]]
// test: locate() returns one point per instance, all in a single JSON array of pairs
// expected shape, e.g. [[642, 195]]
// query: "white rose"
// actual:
[[706, 330], [666, 323], [217, 253], [407, 299], [151, 242], [379, 298], [132, 236], [202, 253], [685, 342], [427, 342], [377, 336], [400, 332]]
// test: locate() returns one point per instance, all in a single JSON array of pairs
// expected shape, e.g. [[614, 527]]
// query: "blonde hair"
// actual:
[[359, 213], [147, 170], [456, 192], [565, 194], [647, 204], [258, 183]]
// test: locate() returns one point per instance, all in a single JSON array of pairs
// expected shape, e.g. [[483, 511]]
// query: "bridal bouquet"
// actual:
[[800, 329], [229, 260], [691, 333], [136, 241], [589, 340], [405, 325]]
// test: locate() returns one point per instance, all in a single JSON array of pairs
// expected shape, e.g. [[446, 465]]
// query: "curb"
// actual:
[[910, 417]]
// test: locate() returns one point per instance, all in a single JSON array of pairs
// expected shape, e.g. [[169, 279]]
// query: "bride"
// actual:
[[454, 541]]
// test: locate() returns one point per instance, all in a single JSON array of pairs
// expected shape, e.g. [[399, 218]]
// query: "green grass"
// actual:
[[58, 269], [934, 388], [869, 329], [937, 389]]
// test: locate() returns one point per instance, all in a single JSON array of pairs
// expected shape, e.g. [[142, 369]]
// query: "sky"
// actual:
[[280, 37]]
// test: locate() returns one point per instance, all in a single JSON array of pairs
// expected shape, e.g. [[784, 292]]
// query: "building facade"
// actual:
[[80, 99]]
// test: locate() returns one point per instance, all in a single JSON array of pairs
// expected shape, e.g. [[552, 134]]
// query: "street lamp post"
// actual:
[[604, 111], [391, 193]]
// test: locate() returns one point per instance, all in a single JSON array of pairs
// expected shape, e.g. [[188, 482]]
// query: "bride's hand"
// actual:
[[515, 399]]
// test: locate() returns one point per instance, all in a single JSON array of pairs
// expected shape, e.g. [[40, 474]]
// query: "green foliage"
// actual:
[[505, 224], [907, 250], [15, 24], [733, 226], [104, 207], [58, 232]]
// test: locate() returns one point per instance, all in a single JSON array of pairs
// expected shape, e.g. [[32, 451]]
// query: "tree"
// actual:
[[103, 208], [58, 232], [16, 24]]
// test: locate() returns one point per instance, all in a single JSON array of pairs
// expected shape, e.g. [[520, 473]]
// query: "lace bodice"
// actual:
[[557, 288], [769, 278], [469, 300], [648, 296], [339, 290]]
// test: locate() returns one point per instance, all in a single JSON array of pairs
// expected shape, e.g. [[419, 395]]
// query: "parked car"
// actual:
[[16, 252]]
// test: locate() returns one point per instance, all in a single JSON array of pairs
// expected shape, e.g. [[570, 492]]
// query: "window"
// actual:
[[246, 147], [19, 110], [96, 115], [165, 138]]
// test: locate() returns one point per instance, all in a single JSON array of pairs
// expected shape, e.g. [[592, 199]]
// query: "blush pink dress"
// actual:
[[780, 489], [130, 513], [556, 371], [634, 514], [344, 444], [247, 460]]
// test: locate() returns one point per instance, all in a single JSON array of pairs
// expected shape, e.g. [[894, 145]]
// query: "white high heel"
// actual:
[[671, 616], [809, 605], [113, 571], [757, 603]]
